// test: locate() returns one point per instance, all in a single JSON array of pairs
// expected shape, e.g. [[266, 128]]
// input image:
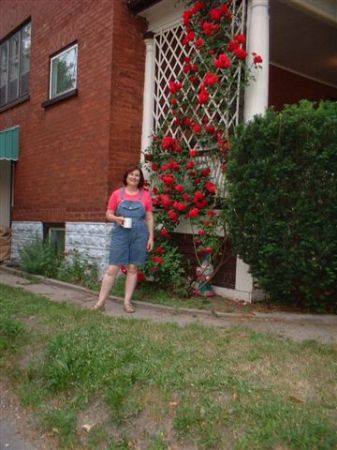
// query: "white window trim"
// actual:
[[50, 71]]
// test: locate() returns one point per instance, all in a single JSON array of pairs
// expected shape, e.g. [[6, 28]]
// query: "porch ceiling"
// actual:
[[303, 42]]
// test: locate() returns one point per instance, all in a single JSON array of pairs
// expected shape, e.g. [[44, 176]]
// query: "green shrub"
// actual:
[[282, 208], [170, 273], [78, 269], [40, 257]]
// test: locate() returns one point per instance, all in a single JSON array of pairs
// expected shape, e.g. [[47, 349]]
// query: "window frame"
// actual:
[[52, 58], [6, 42]]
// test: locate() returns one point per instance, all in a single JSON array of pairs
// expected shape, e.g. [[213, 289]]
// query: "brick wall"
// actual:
[[128, 63], [67, 151]]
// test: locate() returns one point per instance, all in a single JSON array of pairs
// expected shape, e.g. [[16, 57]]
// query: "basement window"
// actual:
[[55, 234]]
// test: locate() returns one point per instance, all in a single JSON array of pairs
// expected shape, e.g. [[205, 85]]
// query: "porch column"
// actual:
[[256, 98], [148, 96], [256, 94]]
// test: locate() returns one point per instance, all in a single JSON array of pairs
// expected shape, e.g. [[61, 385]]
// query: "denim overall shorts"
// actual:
[[128, 245]]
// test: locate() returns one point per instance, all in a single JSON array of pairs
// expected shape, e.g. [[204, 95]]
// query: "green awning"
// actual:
[[9, 144]]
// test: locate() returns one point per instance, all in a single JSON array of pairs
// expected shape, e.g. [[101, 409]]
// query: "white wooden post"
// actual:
[[148, 96], [256, 98]]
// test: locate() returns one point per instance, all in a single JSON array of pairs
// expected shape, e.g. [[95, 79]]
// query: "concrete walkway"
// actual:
[[299, 327]]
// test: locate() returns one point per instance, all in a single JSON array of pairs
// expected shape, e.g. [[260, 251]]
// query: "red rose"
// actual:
[[165, 201], [201, 232], [223, 62], [209, 129], [208, 250], [198, 196], [202, 204], [157, 259], [257, 59], [209, 28], [240, 53], [175, 86], [174, 165], [168, 179], [211, 213], [173, 215], [193, 213], [197, 128], [168, 142], [240, 38], [179, 206], [203, 96], [211, 187], [154, 167], [190, 165], [179, 188], [225, 11], [190, 36], [215, 14], [186, 197], [200, 5], [164, 233], [187, 68], [160, 250], [193, 153], [187, 17], [211, 79], [232, 45], [140, 276], [205, 172], [199, 43]]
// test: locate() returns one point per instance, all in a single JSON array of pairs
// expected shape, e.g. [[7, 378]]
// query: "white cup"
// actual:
[[127, 222]]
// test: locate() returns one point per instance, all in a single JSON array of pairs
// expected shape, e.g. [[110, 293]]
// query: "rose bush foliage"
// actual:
[[193, 142]]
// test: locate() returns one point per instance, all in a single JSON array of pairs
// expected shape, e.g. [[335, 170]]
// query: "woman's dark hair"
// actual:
[[131, 169]]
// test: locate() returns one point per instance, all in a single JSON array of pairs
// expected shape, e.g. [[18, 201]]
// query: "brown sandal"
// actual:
[[129, 308], [99, 307]]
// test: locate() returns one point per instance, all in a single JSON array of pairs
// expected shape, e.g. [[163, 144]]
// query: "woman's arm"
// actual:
[[150, 226], [111, 217]]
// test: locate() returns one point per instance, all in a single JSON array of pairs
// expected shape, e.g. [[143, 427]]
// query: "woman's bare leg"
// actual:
[[107, 284], [130, 284]]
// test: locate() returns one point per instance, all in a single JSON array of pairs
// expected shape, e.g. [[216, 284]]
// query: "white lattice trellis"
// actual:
[[169, 61]]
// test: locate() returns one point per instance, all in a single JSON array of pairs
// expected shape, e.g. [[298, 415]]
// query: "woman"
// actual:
[[129, 246]]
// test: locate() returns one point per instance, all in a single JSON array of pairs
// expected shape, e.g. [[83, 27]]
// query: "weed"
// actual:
[[62, 422], [40, 257], [10, 330]]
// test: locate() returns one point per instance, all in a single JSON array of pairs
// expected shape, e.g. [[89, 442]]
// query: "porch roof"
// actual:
[[139, 5], [9, 144]]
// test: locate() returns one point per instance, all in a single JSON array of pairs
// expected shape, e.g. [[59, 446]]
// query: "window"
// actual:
[[15, 65], [63, 72], [54, 233]]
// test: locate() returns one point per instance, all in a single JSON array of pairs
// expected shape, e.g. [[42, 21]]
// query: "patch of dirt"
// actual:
[[11, 411]]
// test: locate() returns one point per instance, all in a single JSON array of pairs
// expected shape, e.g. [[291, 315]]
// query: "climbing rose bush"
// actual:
[[193, 143]]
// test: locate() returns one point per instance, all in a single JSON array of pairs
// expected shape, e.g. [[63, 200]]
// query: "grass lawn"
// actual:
[[135, 384]]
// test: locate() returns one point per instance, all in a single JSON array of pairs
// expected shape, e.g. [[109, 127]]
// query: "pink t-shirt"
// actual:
[[116, 198]]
